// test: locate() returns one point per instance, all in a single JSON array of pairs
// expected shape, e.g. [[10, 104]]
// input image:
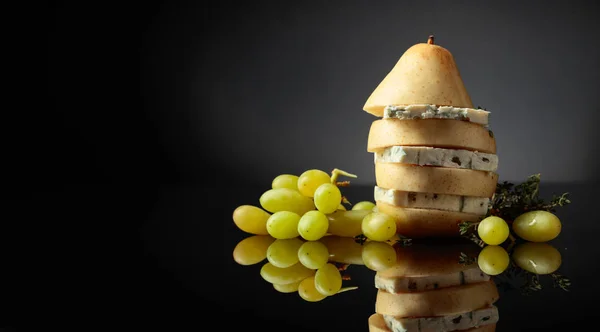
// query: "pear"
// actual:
[[424, 74]]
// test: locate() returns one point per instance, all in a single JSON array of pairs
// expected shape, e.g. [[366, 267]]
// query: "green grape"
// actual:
[[343, 249], [493, 230], [378, 256], [308, 291], [283, 225], [285, 199], [378, 226], [309, 181], [287, 288], [346, 223], [287, 275], [252, 250], [493, 260], [251, 219], [328, 280], [285, 181], [327, 198], [284, 252], [538, 258], [537, 226], [341, 207], [313, 225], [313, 254], [364, 205]]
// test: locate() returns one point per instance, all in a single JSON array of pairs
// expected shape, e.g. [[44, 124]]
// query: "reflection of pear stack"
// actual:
[[435, 158], [430, 290]]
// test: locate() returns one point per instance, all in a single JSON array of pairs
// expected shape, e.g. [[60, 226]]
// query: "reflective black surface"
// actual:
[[161, 259]]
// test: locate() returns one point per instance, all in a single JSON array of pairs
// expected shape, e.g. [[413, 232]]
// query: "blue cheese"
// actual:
[[428, 156], [426, 111], [417, 200], [463, 321], [424, 283]]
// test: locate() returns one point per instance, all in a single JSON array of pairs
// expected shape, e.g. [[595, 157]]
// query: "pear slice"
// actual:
[[424, 74]]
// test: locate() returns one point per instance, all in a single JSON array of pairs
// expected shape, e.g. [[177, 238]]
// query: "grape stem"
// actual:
[[342, 183], [344, 289], [337, 172]]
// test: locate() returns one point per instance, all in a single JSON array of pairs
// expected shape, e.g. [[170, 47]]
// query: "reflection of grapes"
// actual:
[[308, 291], [378, 256], [328, 279], [252, 250], [284, 253], [538, 258], [493, 260], [313, 254]]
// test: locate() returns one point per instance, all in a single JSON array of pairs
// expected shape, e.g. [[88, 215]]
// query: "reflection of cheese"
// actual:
[[438, 157], [425, 111], [462, 321], [476, 205], [423, 283], [437, 133], [438, 180]]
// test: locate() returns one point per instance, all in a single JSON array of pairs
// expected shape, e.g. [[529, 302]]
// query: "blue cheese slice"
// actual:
[[424, 283], [463, 321], [428, 156], [426, 111], [418, 200]]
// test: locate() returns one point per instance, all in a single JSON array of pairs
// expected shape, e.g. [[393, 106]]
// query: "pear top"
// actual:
[[425, 74]]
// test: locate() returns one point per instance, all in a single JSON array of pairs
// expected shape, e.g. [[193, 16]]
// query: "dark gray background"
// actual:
[[213, 92]]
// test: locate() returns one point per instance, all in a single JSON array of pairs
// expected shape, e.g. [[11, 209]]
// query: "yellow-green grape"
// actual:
[[364, 205], [283, 225], [252, 250], [378, 226], [493, 260], [346, 223], [313, 254], [309, 181], [284, 253], [308, 291], [378, 256], [539, 258], [285, 181], [287, 288], [285, 199], [343, 250], [328, 279], [251, 219], [493, 230], [327, 198], [313, 225], [341, 207], [287, 275], [537, 226]]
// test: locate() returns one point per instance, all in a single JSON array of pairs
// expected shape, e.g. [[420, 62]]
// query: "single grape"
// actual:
[[287, 275], [252, 250], [346, 223], [493, 260], [308, 291], [285, 199], [285, 181], [538, 258], [364, 205], [284, 252], [493, 230], [343, 249], [378, 226], [287, 288], [313, 225], [283, 225], [327, 198], [378, 256], [313, 254], [309, 181], [341, 207], [537, 226], [328, 280], [251, 219]]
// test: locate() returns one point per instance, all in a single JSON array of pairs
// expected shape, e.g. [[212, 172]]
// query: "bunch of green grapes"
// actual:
[[311, 206], [313, 269], [535, 227]]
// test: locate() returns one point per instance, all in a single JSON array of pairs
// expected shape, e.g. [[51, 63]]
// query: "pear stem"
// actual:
[[430, 40]]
